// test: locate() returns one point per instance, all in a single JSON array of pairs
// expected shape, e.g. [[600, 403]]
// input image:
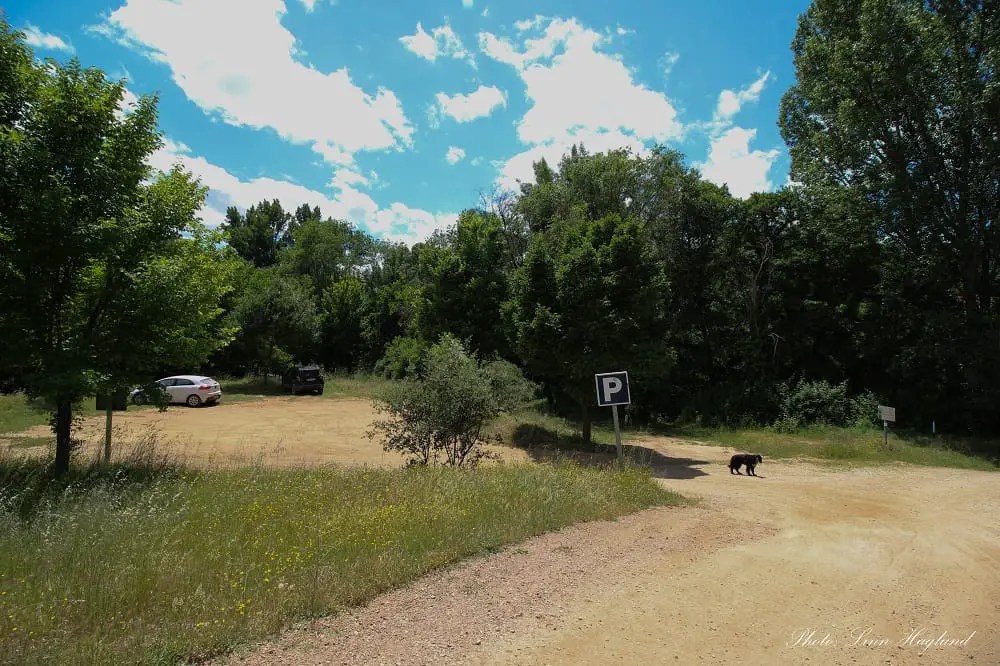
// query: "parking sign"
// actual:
[[612, 389]]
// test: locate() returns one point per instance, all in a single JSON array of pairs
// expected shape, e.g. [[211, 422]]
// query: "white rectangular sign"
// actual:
[[887, 413]]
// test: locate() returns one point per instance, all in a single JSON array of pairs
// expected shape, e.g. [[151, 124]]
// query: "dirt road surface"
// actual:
[[805, 565]]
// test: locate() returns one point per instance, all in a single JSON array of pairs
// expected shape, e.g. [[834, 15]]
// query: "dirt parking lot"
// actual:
[[278, 431]]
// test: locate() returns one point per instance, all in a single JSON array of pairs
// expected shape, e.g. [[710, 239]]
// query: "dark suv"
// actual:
[[303, 379]]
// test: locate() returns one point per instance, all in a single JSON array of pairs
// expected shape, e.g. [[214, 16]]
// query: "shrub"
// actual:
[[440, 416], [819, 402], [865, 409], [403, 358]]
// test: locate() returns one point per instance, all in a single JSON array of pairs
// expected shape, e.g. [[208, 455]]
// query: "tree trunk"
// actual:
[[64, 421], [586, 423]]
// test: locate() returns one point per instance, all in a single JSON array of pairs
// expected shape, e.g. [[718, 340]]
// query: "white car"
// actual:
[[193, 390]]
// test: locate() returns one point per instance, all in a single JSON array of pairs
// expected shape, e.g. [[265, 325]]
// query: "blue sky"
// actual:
[[399, 115]]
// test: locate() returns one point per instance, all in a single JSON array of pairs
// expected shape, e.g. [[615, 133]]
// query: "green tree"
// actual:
[[899, 100], [687, 219], [90, 292], [327, 251], [259, 234], [390, 311], [589, 299], [278, 322], [342, 309], [466, 285]]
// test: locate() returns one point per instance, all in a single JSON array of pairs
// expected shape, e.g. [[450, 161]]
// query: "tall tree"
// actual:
[[899, 99], [278, 322], [83, 240], [588, 299], [341, 312], [327, 251], [258, 235], [466, 285]]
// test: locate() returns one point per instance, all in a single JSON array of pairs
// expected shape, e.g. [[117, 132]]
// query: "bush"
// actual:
[[403, 358], [440, 416], [822, 403]]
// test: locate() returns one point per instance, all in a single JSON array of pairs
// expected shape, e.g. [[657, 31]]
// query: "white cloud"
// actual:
[[579, 92], [454, 155], [398, 222], [466, 3], [466, 108], [668, 61], [244, 71], [441, 41], [127, 105], [730, 102], [731, 162], [42, 40], [519, 167]]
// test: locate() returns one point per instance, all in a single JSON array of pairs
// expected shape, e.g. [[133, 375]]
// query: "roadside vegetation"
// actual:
[[853, 446], [147, 562]]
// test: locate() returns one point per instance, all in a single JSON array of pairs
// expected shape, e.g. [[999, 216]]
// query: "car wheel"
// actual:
[[138, 399], [193, 400]]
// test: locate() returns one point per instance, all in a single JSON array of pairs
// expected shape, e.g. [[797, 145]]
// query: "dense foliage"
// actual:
[[873, 278]]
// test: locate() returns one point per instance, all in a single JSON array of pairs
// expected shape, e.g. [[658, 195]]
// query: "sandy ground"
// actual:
[[805, 565], [283, 432]]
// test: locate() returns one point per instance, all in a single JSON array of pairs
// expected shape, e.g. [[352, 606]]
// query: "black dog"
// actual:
[[748, 459]]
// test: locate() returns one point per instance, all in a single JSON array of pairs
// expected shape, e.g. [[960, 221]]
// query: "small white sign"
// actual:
[[887, 413]]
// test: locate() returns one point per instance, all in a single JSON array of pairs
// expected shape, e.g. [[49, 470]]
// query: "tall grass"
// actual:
[[149, 563], [858, 445]]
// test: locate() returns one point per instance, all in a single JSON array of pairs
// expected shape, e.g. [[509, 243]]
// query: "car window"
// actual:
[[183, 382], [166, 382]]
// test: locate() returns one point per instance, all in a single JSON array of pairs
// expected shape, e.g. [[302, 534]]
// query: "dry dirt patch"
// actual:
[[281, 432]]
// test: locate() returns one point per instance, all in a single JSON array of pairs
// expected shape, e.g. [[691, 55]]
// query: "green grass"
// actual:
[[534, 426], [864, 446], [148, 563], [17, 414]]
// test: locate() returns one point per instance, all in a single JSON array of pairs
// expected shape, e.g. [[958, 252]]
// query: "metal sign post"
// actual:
[[117, 402], [612, 390], [887, 414]]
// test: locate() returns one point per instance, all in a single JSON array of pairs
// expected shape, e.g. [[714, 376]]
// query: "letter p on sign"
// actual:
[[612, 389], [611, 385]]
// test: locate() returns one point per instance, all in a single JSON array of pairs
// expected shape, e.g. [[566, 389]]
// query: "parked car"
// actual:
[[303, 379], [192, 390]]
